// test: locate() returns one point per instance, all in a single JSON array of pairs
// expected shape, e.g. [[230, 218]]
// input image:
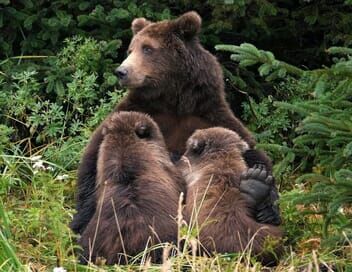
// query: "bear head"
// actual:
[[131, 141], [214, 142], [162, 55]]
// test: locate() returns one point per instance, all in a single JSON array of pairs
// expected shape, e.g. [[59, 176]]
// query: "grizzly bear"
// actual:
[[212, 166], [171, 77], [137, 191]]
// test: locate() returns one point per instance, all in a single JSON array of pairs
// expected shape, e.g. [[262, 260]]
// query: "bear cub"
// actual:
[[212, 166], [137, 191]]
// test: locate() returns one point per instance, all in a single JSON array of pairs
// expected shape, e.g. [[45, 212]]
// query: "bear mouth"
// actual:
[[132, 83], [124, 83]]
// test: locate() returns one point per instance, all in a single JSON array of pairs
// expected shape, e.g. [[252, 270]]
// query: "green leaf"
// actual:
[[250, 49], [312, 18], [29, 21], [247, 62], [269, 56], [226, 47], [122, 13], [344, 175], [59, 88], [84, 5], [347, 151], [112, 80], [281, 72], [83, 20], [264, 69]]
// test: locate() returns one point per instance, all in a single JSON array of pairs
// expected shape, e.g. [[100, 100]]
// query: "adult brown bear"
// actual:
[[171, 77]]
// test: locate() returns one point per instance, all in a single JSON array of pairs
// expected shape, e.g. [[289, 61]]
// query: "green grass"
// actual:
[[37, 205]]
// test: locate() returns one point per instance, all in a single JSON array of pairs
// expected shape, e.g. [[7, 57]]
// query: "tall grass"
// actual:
[[34, 233], [8, 258]]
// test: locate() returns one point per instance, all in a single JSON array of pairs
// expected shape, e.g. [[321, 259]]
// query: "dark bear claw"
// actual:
[[258, 188]]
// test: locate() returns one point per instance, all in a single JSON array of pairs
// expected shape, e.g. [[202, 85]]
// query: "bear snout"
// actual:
[[121, 72]]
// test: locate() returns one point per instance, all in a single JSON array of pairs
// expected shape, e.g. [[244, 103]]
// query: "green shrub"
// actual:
[[54, 106], [309, 125]]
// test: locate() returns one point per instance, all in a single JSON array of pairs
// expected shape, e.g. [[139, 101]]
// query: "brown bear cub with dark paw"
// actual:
[[212, 166], [137, 191]]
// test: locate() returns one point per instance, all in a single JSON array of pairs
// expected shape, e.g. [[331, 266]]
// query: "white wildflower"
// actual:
[[39, 165], [50, 168], [341, 210], [35, 158], [62, 177], [59, 269]]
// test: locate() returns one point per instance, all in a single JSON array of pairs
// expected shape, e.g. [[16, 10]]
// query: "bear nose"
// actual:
[[121, 72]]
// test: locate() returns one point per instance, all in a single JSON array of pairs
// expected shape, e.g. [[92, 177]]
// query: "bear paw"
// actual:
[[258, 188]]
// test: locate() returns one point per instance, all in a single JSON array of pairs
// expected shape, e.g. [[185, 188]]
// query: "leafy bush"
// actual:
[[315, 113], [52, 106]]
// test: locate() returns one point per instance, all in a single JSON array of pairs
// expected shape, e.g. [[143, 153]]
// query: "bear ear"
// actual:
[[138, 24], [196, 146], [188, 25], [242, 146]]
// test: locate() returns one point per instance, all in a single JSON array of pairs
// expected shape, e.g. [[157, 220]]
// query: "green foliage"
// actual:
[[57, 85], [52, 106], [247, 55], [8, 259], [311, 129], [38, 27]]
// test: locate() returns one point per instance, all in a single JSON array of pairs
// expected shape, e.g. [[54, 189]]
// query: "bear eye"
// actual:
[[142, 132], [197, 147], [147, 49]]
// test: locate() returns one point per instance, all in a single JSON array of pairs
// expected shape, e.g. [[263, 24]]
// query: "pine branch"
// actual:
[[247, 55]]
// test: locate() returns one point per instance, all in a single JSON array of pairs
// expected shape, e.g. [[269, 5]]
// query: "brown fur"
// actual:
[[178, 83], [212, 166], [137, 181]]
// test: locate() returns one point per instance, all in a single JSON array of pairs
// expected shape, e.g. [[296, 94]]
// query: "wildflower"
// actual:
[[62, 177], [35, 158], [341, 210], [59, 269], [39, 164]]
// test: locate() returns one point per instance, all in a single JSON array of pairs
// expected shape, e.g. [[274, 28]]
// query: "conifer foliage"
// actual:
[[322, 146]]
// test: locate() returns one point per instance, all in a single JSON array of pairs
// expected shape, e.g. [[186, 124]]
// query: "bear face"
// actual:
[[213, 153], [159, 53], [214, 142]]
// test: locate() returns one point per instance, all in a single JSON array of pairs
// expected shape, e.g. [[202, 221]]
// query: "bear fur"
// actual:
[[137, 192], [212, 167], [172, 78]]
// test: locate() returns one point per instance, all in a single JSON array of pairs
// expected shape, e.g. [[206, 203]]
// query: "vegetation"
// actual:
[[293, 89]]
